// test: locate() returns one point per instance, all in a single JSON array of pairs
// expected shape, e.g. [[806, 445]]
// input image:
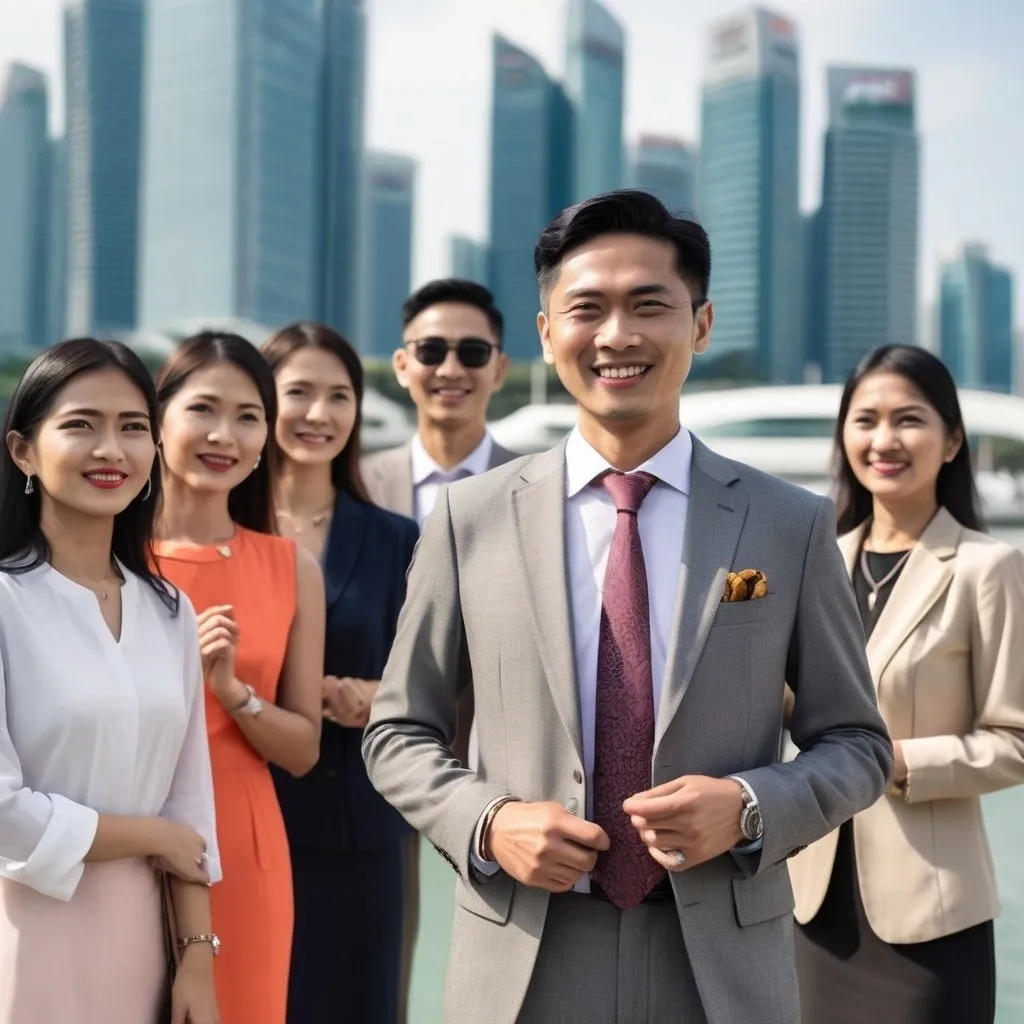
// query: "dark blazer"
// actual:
[[365, 560]]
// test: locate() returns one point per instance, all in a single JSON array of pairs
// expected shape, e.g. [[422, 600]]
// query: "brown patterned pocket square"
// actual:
[[745, 585]]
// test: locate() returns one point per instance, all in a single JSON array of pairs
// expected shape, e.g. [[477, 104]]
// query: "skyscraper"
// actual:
[[57, 243], [869, 212], [595, 80], [531, 180], [24, 205], [340, 161], [103, 81], [230, 161], [468, 259], [976, 320], [665, 167], [749, 195], [387, 251]]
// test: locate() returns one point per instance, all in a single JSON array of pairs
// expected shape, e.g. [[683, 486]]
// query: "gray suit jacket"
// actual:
[[488, 600], [388, 476]]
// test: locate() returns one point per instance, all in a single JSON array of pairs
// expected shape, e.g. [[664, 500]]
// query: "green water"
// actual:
[[1004, 816]]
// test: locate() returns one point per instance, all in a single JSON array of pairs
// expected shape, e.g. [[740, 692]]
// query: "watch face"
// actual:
[[750, 823]]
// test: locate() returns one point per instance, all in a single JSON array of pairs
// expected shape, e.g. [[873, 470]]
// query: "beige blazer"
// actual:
[[489, 606], [947, 658]]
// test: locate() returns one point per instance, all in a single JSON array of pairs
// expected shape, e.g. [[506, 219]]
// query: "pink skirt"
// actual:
[[97, 959]]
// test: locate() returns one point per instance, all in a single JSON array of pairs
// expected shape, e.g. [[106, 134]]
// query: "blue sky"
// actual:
[[429, 84]]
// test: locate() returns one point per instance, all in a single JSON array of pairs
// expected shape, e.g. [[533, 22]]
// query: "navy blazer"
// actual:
[[365, 560]]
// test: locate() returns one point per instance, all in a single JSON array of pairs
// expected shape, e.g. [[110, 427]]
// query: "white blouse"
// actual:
[[91, 725]]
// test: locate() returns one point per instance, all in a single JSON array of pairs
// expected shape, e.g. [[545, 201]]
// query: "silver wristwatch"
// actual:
[[253, 705], [751, 824]]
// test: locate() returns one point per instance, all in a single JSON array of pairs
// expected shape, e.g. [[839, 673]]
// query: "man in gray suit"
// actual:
[[451, 363], [628, 608]]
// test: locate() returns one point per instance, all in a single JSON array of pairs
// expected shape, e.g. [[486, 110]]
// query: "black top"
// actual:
[[879, 565], [365, 562]]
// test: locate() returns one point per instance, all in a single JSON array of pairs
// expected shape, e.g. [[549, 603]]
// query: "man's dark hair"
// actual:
[[454, 289], [624, 212]]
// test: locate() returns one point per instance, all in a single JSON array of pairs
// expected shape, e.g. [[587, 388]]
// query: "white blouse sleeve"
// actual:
[[190, 800], [44, 838]]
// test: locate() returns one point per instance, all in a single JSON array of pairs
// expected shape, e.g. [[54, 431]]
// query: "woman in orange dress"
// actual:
[[260, 606]]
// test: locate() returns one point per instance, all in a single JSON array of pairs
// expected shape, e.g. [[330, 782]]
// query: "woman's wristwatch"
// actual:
[[193, 940], [252, 705]]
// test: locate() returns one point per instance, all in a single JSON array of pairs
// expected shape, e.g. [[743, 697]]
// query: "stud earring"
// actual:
[[29, 485]]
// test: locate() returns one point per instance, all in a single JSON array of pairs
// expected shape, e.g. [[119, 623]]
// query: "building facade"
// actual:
[[340, 143], [386, 251], [595, 84], [665, 167], [530, 182], [103, 42], [231, 175], [467, 259], [976, 321], [24, 208], [868, 236], [749, 186]]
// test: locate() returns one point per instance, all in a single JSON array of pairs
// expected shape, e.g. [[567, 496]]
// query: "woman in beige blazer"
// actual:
[[895, 909]]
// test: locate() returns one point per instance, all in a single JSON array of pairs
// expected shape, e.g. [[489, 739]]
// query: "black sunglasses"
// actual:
[[471, 352]]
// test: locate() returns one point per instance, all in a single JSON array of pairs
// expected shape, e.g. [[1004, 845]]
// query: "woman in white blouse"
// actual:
[[104, 767]]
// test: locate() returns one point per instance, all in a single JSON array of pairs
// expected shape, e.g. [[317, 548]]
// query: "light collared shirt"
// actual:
[[590, 523], [428, 477]]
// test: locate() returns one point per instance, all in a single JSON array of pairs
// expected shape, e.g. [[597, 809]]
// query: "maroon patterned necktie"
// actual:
[[624, 725]]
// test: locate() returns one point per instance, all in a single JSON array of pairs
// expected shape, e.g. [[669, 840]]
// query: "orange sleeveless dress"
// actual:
[[252, 907]]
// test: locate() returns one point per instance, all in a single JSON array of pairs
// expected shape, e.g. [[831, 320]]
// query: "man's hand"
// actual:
[[696, 815], [542, 845]]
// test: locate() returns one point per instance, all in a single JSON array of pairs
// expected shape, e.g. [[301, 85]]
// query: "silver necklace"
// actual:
[[876, 586]]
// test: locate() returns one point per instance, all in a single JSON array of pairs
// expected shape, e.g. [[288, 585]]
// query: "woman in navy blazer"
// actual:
[[346, 842]]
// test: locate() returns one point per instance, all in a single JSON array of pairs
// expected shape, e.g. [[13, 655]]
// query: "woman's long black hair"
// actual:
[[345, 472], [955, 488], [22, 544], [251, 503]]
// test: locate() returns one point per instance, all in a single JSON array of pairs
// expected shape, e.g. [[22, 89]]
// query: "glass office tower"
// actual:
[[531, 181], [103, 81], [749, 196], [24, 208], [869, 216], [231, 176], [387, 251], [976, 320], [595, 83]]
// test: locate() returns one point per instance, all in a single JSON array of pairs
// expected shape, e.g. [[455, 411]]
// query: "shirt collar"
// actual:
[[424, 467], [671, 465]]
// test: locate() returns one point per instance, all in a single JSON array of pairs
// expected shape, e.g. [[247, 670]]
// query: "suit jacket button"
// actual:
[[577, 777], [573, 805]]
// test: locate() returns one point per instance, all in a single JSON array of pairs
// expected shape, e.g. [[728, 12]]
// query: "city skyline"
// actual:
[[428, 96]]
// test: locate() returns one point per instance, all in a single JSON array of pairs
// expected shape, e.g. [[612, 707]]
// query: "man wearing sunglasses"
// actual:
[[451, 363]]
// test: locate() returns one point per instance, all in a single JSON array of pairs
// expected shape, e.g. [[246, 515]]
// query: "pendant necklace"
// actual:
[[876, 586], [318, 520]]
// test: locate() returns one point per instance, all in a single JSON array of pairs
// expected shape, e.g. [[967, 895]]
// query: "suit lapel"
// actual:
[[538, 510], [396, 481], [714, 520], [344, 543], [922, 582]]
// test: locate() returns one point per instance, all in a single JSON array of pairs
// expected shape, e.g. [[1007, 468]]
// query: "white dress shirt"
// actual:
[[428, 477], [92, 725], [590, 519]]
